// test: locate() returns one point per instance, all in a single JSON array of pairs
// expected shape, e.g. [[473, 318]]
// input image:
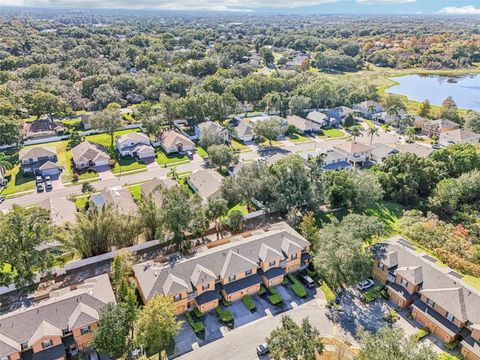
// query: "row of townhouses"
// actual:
[[439, 299], [60, 326]]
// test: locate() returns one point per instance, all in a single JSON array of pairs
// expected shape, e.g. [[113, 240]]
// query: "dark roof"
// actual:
[[272, 273], [207, 296], [424, 308], [472, 344], [402, 291], [306, 256], [241, 284], [69, 340], [338, 165], [54, 352]]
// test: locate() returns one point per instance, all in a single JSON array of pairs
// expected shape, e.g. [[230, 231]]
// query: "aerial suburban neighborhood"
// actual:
[[239, 181]]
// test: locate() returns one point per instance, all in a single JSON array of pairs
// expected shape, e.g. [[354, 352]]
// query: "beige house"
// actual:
[[414, 148], [303, 125], [173, 142], [87, 154], [207, 184], [231, 271], [122, 199], [39, 160], [56, 328], [154, 186], [357, 153], [458, 136]]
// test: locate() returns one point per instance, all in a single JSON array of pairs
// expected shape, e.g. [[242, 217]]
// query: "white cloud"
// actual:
[[216, 5], [464, 10], [383, 2]]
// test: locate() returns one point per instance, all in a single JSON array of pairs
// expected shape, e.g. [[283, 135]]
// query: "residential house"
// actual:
[[318, 118], [358, 153], [153, 188], [438, 297], [303, 125], [386, 117], [339, 114], [42, 128], [243, 130], [89, 155], [368, 108], [435, 127], [381, 151], [419, 121], [458, 136], [86, 121], [135, 145], [214, 127], [231, 271], [414, 148], [207, 184], [173, 142], [61, 210], [39, 161], [333, 159], [56, 328], [119, 198]]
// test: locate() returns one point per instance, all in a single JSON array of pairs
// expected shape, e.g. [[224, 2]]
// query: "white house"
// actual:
[[244, 131], [357, 153], [458, 136], [368, 108], [135, 145], [173, 142]]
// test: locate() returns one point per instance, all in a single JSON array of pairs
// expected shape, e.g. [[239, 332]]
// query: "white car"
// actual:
[[365, 284]]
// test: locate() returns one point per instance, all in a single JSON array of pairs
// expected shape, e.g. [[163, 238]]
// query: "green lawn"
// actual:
[[242, 207], [332, 134], [201, 151], [104, 138], [127, 164], [18, 182], [80, 202], [370, 124], [168, 159], [74, 124], [298, 138], [238, 146], [87, 175], [330, 296], [136, 192], [266, 143]]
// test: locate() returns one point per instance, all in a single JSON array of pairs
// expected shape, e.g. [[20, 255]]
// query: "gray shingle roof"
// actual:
[[36, 152], [120, 198], [412, 274], [240, 254]]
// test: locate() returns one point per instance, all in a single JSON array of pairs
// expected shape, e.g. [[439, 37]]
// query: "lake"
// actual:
[[465, 90]]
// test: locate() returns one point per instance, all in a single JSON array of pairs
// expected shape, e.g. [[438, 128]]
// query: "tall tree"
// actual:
[[157, 324], [372, 131], [45, 103], [107, 120], [221, 155], [291, 341], [5, 163], [389, 343], [150, 217], [10, 128], [270, 129], [355, 131], [472, 121], [217, 209], [425, 109], [23, 233]]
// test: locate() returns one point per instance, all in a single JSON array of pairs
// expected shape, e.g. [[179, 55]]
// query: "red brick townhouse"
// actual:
[[439, 299], [57, 327], [231, 270]]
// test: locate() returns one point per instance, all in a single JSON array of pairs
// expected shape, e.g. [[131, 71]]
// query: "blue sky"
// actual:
[[446, 7]]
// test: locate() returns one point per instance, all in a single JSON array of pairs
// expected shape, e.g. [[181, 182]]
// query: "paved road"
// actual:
[[240, 343]]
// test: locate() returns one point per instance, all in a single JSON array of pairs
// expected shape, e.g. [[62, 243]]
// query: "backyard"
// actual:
[[169, 159]]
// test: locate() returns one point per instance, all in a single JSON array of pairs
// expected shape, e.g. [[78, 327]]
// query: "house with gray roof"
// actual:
[[154, 188], [39, 160], [318, 118], [243, 130], [381, 151], [135, 145], [458, 136], [414, 148], [211, 127], [121, 199], [58, 327], [303, 125], [207, 184], [436, 127], [438, 297], [231, 270]]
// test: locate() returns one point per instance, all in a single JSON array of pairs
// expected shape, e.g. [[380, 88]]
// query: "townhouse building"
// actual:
[[231, 271], [437, 296], [58, 327]]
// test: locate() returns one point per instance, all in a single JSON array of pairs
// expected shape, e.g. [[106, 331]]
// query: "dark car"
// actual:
[[48, 185], [40, 187], [307, 280], [262, 349], [2, 199]]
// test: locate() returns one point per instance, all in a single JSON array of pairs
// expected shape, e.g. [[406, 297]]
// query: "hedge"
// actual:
[[198, 314], [224, 315], [285, 281], [420, 334], [274, 298], [226, 303], [451, 346], [297, 286], [197, 326], [262, 290], [249, 303]]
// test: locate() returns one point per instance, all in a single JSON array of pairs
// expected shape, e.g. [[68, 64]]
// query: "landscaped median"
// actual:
[[249, 303], [226, 316], [196, 325], [296, 286]]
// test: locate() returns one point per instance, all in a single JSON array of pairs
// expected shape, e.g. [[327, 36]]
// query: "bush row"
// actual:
[[274, 298], [225, 316], [196, 326], [297, 286]]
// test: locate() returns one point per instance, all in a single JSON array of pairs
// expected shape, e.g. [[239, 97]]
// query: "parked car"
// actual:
[[2, 199], [307, 280], [262, 349], [48, 178], [190, 155], [436, 146], [48, 185], [365, 284], [40, 187], [38, 179]]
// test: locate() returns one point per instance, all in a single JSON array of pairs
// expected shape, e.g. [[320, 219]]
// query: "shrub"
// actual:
[[372, 294], [198, 314], [274, 298], [421, 333], [311, 273], [225, 316], [297, 286], [226, 303], [262, 290], [249, 303], [451, 346], [196, 326], [391, 317], [285, 281]]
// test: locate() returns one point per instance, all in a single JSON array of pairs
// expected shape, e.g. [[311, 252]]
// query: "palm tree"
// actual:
[[408, 120], [393, 110], [410, 132], [5, 163], [371, 108], [173, 173], [372, 131], [355, 131]]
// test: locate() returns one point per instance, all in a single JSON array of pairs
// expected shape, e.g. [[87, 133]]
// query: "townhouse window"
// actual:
[[248, 272], [191, 296], [24, 346], [65, 331], [271, 263], [47, 344], [381, 266], [294, 256], [450, 317], [404, 282], [178, 297], [85, 330], [205, 287], [283, 263], [430, 303], [231, 278]]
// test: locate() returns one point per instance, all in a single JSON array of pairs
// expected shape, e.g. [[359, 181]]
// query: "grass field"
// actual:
[[18, 182], [329, 295], [127, 164], [332, 134], [238, 146], [297, 138], [201, 151], [104, 138], [80, 202], [136, 192], [167, 159]]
